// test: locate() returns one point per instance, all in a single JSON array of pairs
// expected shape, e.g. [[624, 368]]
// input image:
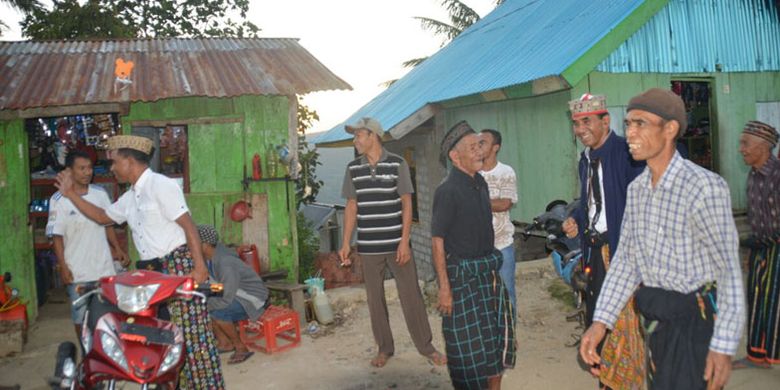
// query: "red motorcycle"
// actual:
[[126, 336]]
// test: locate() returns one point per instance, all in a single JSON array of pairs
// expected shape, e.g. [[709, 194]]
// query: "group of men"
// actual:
[[659, 242], [81, 224]]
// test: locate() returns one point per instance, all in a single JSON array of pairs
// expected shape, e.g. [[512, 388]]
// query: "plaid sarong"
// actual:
[[480, 333]]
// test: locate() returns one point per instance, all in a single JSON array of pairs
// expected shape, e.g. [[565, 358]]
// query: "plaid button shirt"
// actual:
[[679, 236]]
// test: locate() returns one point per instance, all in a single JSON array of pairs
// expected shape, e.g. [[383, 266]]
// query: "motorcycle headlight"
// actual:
[[112, 348], [131, 300], [171, 358]]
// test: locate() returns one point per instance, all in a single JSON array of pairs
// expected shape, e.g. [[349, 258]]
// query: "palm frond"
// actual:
[[414, 62], [26, 6], [461, 15], [439, 28]]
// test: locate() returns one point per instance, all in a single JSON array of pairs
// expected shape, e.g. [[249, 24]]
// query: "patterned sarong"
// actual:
[[201, 368], [480, 333], [763, 343], [678, 329], [623, 351]]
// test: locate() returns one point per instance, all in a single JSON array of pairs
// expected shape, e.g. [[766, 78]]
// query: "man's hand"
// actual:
[[64, 183], [403, 254], [344, 255], [445, 301], [717, 370], [122, 257], [65, 275], [570, 227], [588, 343], [200, 274]]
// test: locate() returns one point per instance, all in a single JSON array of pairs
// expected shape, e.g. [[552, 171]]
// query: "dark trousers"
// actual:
[[410, 296]]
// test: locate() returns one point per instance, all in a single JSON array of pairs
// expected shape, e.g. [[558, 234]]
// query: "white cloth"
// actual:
[[151, 208], [502, 184], [87, 254], [601, 222]]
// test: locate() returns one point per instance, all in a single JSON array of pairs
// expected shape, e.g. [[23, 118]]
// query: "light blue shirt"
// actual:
[[679, 236]]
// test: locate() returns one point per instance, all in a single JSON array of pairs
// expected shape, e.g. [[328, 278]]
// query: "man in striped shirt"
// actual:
[[378, 189], [677, 241]]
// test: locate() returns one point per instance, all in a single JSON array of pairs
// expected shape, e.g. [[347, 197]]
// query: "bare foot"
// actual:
[[380, 360], [437, 358]]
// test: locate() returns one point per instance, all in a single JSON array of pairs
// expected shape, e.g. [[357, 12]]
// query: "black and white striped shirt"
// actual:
[[377, 190]]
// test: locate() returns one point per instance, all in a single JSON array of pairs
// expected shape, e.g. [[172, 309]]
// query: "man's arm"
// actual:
[[199, 271], [64, 184], [59, 251], [120, 254], [500, 204], [440, 265], [403, 254], [350, 218]]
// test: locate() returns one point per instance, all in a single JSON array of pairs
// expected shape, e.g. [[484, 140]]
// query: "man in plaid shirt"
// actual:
[[679, 252]]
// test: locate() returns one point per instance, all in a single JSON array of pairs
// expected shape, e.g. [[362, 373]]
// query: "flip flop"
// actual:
[[747, 363], [240, 357], [437, 358], [380, 360], [221, 351]]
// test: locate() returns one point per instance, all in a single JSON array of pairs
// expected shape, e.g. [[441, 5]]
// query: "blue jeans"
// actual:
[[234, 312], [507, 273], [77, 313]]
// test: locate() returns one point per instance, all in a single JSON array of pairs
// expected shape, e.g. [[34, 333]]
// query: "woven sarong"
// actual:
[[202, 368], [678, 329], [480, 332], [763, 293]]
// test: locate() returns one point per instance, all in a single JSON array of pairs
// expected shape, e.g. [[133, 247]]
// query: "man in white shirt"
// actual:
[[83, 253], [502, 183]]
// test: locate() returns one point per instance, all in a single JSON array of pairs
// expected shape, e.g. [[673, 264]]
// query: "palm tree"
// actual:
[[24, 6], [461, 17]]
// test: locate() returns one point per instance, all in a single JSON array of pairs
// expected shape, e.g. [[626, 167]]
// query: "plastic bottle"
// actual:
[[257, 169], [322, 308]]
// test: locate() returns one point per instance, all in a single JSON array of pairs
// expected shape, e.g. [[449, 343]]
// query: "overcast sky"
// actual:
[[361, 41]]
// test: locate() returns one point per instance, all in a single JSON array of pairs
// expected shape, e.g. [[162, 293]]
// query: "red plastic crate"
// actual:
[[264, 334]]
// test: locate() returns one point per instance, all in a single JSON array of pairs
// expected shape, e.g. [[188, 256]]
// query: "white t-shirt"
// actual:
[[86, 247], [502, 184], [601, 223], [151, 208]]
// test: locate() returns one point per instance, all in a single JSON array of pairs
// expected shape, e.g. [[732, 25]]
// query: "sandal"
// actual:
[[437, 358], [747, 363], [221, 351], [380, 360], [240, 357]]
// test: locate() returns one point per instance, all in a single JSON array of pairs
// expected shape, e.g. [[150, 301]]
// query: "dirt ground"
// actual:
[[336, 357]]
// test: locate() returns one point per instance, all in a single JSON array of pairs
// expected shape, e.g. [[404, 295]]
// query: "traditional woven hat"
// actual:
[[588, 105], [208, 234], [141, 144], [763, 131], [452, 137]]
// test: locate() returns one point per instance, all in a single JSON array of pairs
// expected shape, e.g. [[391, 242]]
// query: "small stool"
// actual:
[[275, 323]]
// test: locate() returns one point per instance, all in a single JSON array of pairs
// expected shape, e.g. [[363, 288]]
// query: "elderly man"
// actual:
[[244, 295], [677, 242], [167, 241], [477, 319], [378, 189], [763, 284]]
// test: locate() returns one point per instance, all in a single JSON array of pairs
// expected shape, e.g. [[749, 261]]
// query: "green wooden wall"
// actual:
[[16, 246], [537, 142], [735, 94], [218, 151]]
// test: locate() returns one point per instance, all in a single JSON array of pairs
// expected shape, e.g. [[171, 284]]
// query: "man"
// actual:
[[244, 295], [605, 170], [83, 254], [678, 241], [378, 189], [167, 241], [502, 185], [763, 285], [477, 319]]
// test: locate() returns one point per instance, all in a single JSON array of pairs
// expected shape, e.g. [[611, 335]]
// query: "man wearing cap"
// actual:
[[605, 170], [477, 318], [244, 296], [378, 189], [678, 255], [502, 184], [167, 241], [763, 283]]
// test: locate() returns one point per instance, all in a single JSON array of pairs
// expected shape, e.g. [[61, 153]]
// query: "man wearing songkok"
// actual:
[[763, 283], [477, 320], [167, 241], [678, 255]]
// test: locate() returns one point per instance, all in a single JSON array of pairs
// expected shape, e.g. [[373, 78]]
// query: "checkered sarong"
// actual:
[[480, 333]]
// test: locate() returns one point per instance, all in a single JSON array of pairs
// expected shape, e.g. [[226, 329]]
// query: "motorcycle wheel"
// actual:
[[65, 351]]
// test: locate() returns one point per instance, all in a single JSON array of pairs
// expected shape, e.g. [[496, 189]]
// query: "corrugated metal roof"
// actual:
[[58, 73], [735, 35], [520, 41]]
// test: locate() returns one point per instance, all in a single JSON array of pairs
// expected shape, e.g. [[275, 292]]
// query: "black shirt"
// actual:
[[462, 215]]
